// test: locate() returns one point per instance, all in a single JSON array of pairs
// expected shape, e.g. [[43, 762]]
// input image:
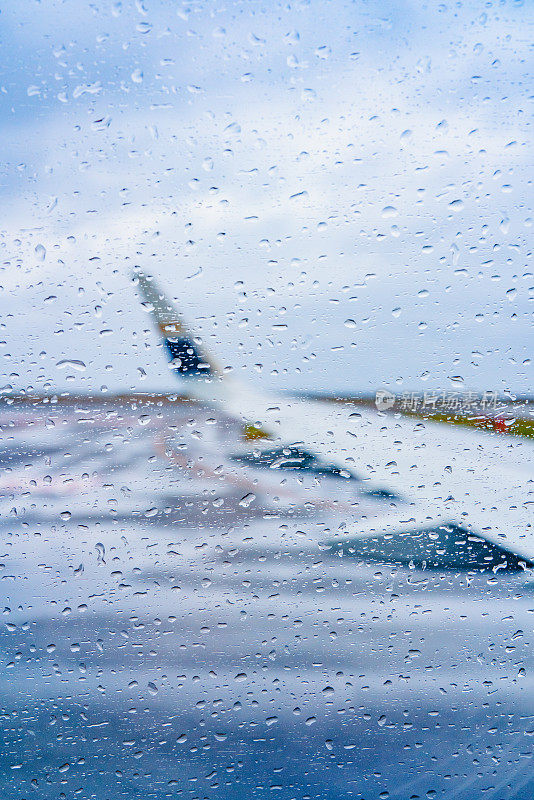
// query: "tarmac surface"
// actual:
[[175, 626]]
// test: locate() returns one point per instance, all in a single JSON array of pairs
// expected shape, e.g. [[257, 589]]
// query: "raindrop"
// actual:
[[100, 553], [79, 366]]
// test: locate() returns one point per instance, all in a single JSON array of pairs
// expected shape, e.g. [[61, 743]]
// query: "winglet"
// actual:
[[184, 350]]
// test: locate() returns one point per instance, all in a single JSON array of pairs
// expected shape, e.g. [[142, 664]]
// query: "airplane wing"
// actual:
[[429, 512], [183, 349]]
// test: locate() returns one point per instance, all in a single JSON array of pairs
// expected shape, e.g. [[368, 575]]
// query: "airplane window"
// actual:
[[266, 400]]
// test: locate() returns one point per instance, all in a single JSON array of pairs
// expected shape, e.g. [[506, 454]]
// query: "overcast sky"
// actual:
[[336, 194]]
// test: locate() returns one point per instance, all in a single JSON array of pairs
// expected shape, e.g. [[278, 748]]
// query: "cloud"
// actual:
[[267, 148]]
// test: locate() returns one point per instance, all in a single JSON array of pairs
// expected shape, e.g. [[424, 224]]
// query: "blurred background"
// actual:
[[336, 197], [335, 193]]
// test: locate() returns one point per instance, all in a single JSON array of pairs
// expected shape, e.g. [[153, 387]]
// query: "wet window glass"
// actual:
[[266, 405]]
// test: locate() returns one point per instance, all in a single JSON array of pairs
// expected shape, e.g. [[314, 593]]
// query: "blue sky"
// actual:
[[337, 194]]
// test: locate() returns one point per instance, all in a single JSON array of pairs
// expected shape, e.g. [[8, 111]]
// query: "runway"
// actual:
[[176, 624]]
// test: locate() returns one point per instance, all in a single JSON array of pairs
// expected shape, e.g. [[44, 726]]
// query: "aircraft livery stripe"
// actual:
[[185, 357]]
